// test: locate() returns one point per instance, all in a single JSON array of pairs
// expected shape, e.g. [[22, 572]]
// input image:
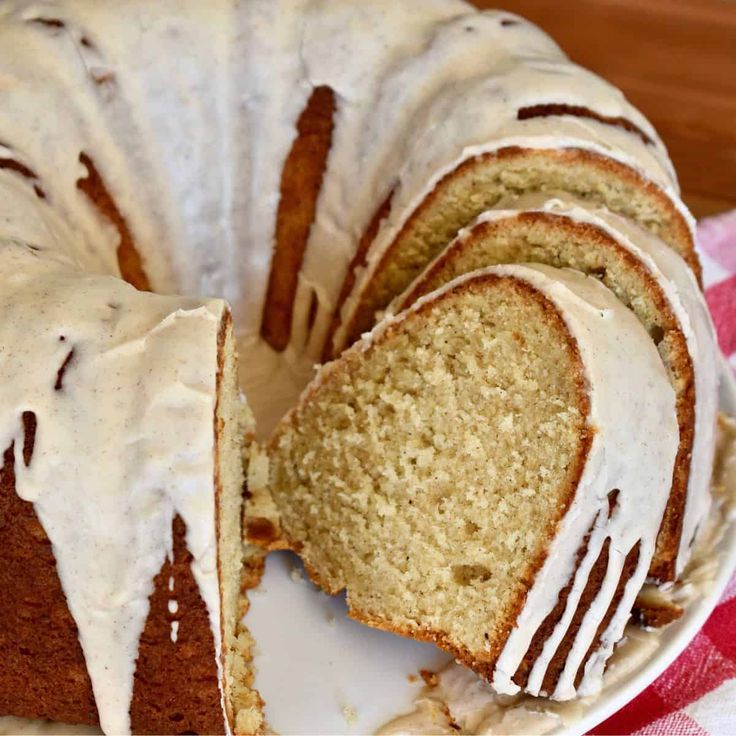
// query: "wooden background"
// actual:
[[676, 61]]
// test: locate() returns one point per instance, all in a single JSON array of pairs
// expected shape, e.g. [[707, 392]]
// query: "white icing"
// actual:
[[124, 442], [174, 631]]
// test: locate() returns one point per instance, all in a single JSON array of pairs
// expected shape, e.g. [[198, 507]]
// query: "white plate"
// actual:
[[321, 673]]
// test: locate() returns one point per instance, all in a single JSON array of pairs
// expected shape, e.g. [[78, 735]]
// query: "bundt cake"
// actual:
[[655, 284], [303, 161], [488, 471]]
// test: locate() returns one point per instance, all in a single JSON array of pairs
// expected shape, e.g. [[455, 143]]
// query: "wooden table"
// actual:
[[676, 61]]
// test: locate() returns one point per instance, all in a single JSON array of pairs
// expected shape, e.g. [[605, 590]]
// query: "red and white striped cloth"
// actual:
[[697, 695]]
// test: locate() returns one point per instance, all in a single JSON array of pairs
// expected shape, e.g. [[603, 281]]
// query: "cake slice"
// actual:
[[658, 287], [488, 471]]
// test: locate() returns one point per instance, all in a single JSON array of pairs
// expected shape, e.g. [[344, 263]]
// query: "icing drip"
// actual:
[[173, 607]]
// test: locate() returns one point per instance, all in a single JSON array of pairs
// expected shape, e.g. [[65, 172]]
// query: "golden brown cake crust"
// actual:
[[43, 674], [593, 585], [521, 676], [10, 164], [358, 261], [301, 181], [545, 110], [656, 616], [629, 567], [129, 260], [176, 687]]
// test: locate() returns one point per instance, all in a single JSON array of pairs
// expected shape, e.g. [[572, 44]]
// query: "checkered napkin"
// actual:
[[697, 694]]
